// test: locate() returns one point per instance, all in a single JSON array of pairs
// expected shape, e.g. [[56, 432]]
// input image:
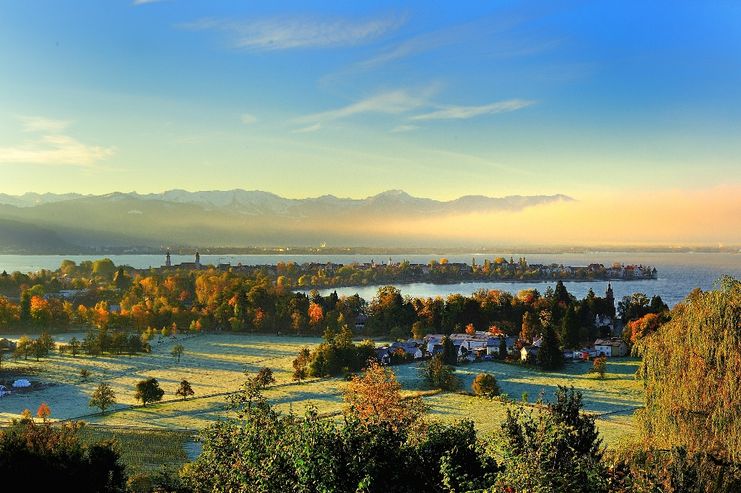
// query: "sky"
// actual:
[[624, 106]]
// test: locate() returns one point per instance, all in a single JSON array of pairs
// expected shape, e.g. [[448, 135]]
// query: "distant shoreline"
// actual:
[[280, 251]]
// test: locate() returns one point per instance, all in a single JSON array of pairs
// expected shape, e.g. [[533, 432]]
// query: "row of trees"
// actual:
[[257, 301], [147, 391]]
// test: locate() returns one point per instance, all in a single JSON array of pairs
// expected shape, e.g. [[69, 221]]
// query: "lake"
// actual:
[[678, 273]]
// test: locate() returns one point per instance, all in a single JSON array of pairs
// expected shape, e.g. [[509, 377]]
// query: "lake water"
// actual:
[[679, 273]]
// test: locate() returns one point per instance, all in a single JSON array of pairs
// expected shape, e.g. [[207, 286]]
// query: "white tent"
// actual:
[[21, 382]]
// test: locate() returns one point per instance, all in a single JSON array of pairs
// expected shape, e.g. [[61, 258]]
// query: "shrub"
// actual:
[[485, 385], [438, 375]]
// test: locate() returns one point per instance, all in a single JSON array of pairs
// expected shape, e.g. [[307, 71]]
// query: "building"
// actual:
[[168, 260], [613, 347]]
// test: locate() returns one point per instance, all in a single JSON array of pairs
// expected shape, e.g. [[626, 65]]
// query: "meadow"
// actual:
[[214, 364]]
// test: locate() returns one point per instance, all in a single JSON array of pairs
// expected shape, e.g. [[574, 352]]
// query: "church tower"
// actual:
[[610, 298], [168, 261]]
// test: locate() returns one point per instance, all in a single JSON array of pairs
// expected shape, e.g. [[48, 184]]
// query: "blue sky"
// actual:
[[440, 99]]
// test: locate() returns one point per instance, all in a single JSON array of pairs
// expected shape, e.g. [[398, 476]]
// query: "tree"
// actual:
[[554, 450], [530, 326], [43, 412], [103, 397], [49, 457], [184, 390], [24, 347], [177, 351], [640, 328], [485, 385], [570, 328], [300, 364], [550, 356], [148, 391], [375, 399], [264, 377], [438, 375], [599, 366], [449, 354], [74, 346], [691, 369]]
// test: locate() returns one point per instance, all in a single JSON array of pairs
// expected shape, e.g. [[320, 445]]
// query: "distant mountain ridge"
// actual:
[[227, 218]]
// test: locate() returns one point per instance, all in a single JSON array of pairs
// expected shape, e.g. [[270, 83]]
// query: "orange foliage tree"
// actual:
[[645, 325], [375, 399]]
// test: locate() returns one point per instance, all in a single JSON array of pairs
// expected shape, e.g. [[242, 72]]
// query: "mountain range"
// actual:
[[61, 223]]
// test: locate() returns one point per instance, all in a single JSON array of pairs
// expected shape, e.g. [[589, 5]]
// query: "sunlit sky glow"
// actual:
[[608, 102]]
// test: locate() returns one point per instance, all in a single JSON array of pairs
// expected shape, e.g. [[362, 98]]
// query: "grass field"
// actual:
[[214, 364]]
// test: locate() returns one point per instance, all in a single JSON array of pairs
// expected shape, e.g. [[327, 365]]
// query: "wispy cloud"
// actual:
[[42, 124], [144, 2], [248, 119], [404, 128], [389, 102], [464, 112], [285, 33], [52, 147], [311, 128]]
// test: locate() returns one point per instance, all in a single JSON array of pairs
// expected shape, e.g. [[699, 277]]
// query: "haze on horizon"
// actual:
[[631, 108]]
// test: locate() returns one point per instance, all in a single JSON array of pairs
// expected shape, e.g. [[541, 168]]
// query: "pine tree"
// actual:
[[449, 355], [570, 328], [550, 356]]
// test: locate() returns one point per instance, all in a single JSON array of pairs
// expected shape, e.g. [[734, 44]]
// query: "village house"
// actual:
[[613, 347]]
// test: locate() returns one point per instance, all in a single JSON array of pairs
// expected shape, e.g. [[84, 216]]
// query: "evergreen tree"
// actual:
[[449, 356], [570, 328], [25, 310], [550, 356]]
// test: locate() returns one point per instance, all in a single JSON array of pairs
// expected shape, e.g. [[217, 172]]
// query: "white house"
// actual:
[[613, 347]]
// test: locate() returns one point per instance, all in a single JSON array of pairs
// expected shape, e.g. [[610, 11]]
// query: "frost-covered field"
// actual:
[[212, 363], [215, 364]]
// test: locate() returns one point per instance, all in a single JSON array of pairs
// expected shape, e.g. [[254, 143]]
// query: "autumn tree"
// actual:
[[43, 412], [300, 364], [103, 397], [530, 327], [184, 390], [148, 391], [177, 351], [485, 385], [24, 347], [640, 328], [691, 369], [438, 375], [599, 366], [375, 399]]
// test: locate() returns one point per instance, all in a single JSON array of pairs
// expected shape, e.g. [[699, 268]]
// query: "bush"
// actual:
[[438, 375], [485, 385], [44, 458]]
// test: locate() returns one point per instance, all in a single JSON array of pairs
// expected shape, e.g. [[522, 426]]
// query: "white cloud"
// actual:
[[286, 33], [42, 124], [248, 119], [144, 2], [404, 128], [464, 112], [52, 147], [390, 102], [311, 128]]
